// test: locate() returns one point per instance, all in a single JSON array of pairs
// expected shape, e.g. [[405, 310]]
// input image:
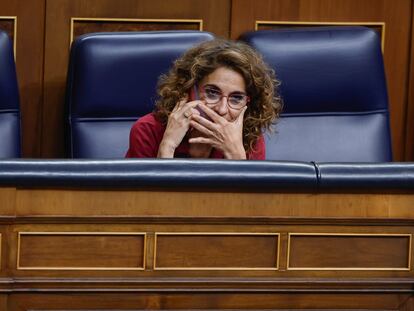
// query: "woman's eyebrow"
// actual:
[[219, 89], [212, 85]]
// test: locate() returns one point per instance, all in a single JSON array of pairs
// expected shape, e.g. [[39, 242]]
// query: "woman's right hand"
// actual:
[[177, 126]]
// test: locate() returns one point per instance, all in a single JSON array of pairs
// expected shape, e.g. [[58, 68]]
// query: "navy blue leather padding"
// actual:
[[334, 93], [167, 174], [207, 175], [363, 176], [112, 82], [9, 101]]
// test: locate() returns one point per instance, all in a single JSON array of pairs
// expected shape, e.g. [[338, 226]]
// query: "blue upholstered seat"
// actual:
[[9, 101], [334, 93], [112, 81]]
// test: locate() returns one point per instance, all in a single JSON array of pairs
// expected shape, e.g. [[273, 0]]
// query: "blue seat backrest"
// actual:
[[9, 101], [112, 80], [334, 92]]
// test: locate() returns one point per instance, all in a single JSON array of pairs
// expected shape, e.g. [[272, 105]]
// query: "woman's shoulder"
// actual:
[[148, 119], [148, 126], [145, 136]]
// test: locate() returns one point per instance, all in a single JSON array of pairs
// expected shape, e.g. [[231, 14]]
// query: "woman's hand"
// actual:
[[177, 126], [221, 134]]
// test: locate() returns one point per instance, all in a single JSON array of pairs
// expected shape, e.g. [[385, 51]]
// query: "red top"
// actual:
[[146, 135]]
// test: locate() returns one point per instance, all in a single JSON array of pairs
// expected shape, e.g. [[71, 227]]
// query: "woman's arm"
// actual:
[[177, 126]]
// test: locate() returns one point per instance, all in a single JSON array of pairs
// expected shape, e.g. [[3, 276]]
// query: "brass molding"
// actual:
[[351, 268], [307, 23], [217, 234], [18, 267], [137, 20], [14, 19]]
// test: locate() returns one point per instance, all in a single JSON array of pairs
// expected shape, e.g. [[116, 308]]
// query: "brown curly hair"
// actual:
[[265, 104]]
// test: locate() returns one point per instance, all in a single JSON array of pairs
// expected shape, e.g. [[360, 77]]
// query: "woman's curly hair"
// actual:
[[265, 104]]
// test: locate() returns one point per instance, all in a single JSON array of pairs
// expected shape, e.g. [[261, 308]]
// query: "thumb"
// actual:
[[241, 115]]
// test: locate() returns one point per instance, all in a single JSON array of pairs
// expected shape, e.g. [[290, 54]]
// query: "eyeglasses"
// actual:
[[213, 95]]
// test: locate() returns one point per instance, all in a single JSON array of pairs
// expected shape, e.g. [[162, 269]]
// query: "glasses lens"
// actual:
[[211, 95], [237, 101]]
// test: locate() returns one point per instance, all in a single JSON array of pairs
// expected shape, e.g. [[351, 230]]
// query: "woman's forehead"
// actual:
[[226, 79]]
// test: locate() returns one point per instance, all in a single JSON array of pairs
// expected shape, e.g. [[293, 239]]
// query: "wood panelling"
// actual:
[[67, 239], [29, 63], [8, 201], [216, 251], [248, 258], [214, 13], [378, 27], [349, 252], [395, 14], [211, 301], [32, 202], [82, 26], [80, 250], [3, 302], [409, 141]]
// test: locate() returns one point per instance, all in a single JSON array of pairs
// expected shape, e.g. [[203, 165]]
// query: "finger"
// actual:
[[195, 103], [200, 140], [241, 115], [189, 105], [211, 114], [189, 110], [201, 128], [205, 122], [187, 113]]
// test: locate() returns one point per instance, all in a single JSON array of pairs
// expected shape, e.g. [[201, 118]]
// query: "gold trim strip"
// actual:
[[381, 24], [14, 18], [349, 268], [144, 234], [142, 20], [156, 234]]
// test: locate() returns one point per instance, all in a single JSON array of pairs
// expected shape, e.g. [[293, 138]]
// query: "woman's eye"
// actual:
[[237, 98]]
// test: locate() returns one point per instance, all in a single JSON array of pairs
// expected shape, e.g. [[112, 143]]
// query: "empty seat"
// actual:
[[334, 93], [9, 101]]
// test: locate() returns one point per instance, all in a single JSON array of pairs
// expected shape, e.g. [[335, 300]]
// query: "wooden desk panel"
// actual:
[[125, 249], [131, 203], [81, 251], [205, 301]]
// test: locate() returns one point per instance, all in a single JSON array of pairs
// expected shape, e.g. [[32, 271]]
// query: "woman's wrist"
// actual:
[[237, 154], [166, 150]]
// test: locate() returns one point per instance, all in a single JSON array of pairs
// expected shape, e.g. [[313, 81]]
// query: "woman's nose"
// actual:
[[221, 107]]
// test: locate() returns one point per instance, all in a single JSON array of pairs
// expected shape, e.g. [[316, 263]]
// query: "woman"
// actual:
[[215, 102]]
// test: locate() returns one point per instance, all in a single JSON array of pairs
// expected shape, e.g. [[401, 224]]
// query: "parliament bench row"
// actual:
[[224, 175]]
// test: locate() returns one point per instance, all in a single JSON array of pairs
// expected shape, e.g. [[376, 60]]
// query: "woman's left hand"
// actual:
[[220, 133]]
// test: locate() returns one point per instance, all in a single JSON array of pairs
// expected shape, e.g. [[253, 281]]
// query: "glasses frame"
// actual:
[[202, 91]]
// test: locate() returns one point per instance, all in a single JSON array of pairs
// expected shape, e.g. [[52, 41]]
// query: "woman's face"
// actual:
[[228, 82]]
